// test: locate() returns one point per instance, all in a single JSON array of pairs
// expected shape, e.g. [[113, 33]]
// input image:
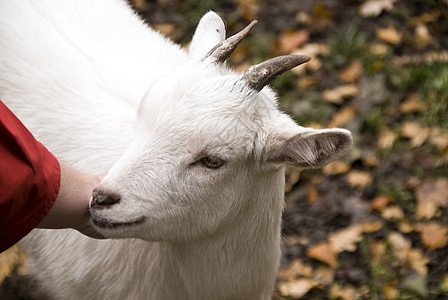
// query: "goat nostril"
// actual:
[[104, 198]]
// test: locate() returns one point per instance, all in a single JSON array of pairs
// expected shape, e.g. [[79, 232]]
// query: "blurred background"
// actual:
[[373, 225]]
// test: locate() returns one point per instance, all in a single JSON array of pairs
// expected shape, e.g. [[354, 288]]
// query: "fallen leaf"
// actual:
[[387, 139], [296, 269], [377, 251], [431, 195], [439, 138], [444, 283], [415, 132], [336, 167], [422, 37], [389, 35], [353, 72], [433, 235], [391, 292], [346, 239], [392, 213], [337, 95], [345, 293], [379, 49], [380, 202], [359, 179], [324, 253], [292, 240], [290, 40], [296, 288], [413, 103], [369, 227], [405, 227], [324, 275], [322, 16], [373, 8], [400, 247], [418, 261], [342, 117]]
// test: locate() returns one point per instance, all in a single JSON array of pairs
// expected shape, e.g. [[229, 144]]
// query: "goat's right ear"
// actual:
[[308, 147], [210, 32]]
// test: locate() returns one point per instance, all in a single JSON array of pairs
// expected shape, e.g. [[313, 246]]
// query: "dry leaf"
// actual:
[[389, 35], [324, 275], [386, 139], [290, 40], [373, 8], [337, 95], [359, 179], [296, 288], [336, 167], [342, 117], [418, 261], [444, 284], [392, 213], [433, 235], [380, 202], [405, 227], [323, 252], [400, 246], [379, 49], [296, 269], [431, 195], [439, 138], [391, 292], [368, 227], [344, 293], [413, 103], [346, 239], [416, 132], [422, 37], [292, 240], [353, 72], [377, 251]]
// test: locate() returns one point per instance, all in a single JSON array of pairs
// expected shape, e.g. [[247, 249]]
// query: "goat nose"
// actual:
[[103, 198]]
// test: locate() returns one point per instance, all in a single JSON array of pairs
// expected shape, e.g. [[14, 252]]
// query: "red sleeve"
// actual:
[[29, 180]]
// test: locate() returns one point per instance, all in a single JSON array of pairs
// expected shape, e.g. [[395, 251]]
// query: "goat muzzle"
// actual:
[[102, 198]]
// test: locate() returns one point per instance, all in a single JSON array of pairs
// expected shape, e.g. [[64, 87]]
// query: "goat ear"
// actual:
[[210, 32], [309, 148]]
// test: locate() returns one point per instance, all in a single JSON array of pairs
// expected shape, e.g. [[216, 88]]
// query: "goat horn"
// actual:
[[223, 50], [260, 75]]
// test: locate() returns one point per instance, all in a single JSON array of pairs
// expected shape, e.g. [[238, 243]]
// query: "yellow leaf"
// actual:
[[296, 269], [359, 179], [336, 167], [296, 288], [387, 139], [379, 49], [400, 246], [431, 195], [353, 72], [337, 95], [416, 132], [389, 35], [413, 103], [373, 8], [368, 227], [290, 40], [391, 292], [439, 138], [324, 253], [405, 227], [422, 37], [344, 293], [392, 213], [346, 239], [418, 261], [342, 116], [444, 284], [433, 235]]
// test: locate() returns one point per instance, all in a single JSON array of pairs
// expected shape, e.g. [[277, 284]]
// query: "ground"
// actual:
[[372, 225]]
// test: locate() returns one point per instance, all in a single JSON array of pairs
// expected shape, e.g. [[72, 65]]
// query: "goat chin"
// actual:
[[193, 151]]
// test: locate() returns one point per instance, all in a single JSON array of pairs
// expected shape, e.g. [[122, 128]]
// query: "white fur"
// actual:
[[108, 95]]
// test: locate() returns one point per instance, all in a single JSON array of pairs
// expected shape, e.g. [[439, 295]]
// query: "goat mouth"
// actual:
[[108, 224]]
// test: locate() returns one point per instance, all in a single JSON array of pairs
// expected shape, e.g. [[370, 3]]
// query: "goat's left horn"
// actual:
[[260, 75], [223, 50]]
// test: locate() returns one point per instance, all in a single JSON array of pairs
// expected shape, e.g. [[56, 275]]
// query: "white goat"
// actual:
[[193, 152]]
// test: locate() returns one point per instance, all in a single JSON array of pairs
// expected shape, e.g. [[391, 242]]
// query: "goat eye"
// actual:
[[211, 162]]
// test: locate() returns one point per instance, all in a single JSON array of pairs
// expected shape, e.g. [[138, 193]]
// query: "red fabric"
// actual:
[[29, 180]]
